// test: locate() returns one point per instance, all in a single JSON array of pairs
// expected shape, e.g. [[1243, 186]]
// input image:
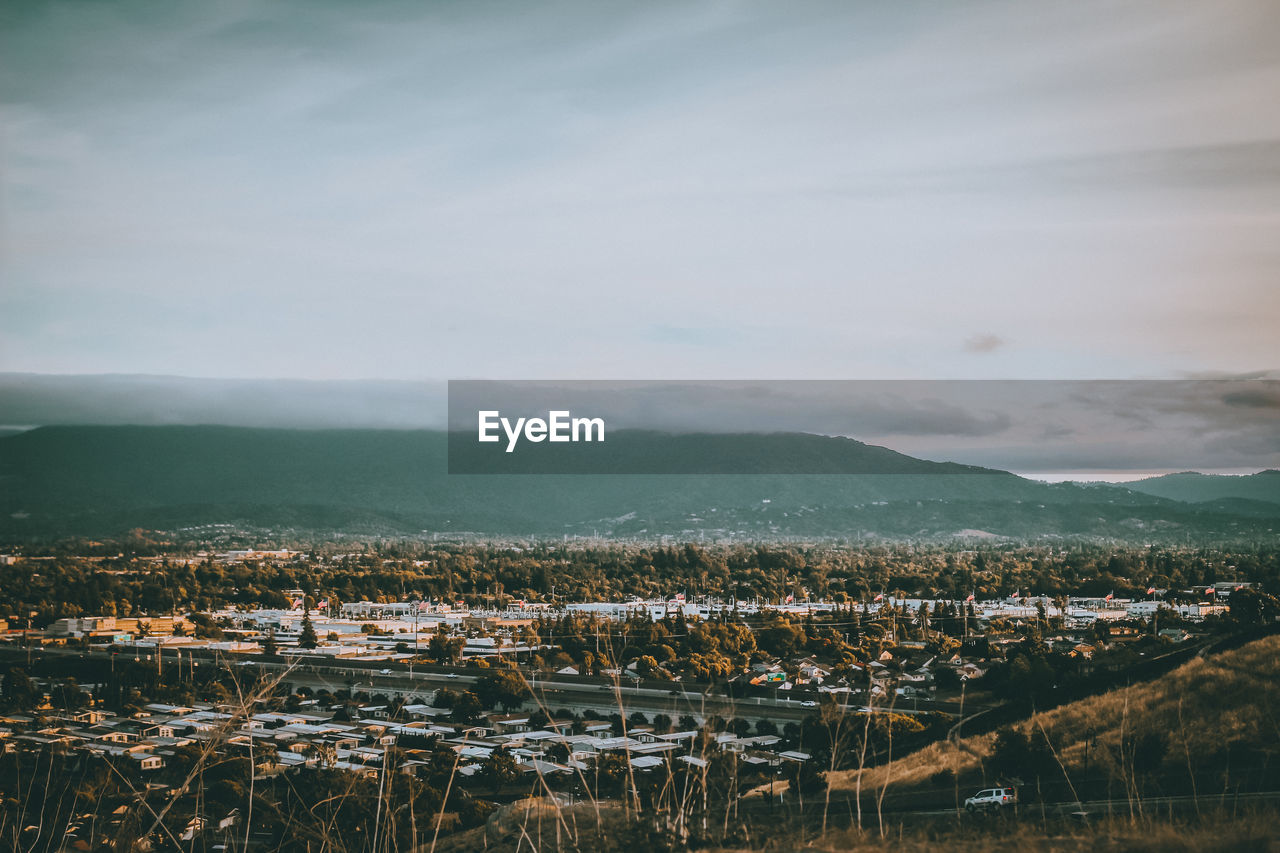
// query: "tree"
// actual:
[[1145, 752], [69, 695], [307, 639], [445, 698], [1253, 607], [466, 707], [18, 691], [445, 649], [941, 646], [269, 645], [499, 769], [804, 777], [558, 751], [504, 687], [1029, 758]]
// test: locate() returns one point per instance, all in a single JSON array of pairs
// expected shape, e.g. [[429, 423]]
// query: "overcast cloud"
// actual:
[[814, 190]]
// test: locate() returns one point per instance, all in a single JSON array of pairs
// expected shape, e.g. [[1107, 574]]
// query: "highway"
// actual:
[[551, 693]]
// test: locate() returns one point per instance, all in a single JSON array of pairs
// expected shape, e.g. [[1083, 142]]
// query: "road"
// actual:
[[551, 693], [1103, 808], [899, 807]]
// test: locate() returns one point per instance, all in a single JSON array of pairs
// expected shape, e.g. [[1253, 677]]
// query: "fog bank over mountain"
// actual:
[[1211, 425], [28, 399]]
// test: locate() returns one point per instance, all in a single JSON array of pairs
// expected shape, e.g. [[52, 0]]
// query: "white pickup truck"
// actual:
[[991, 800]]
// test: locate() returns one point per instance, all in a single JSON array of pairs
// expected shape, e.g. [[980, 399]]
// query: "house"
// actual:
[[110, 734], [424, 712], [543, 768], [193, 828], [559, 726], [761, 759], [509, 723], [678, 737], [89, 716], [655, 748], [154, 729], [646, 762], [812, 674]]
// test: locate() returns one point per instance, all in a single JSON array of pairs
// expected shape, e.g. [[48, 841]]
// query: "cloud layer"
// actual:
[[433, 190], [1107, 427]]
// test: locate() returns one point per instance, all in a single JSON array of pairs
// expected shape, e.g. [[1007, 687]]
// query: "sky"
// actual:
[[427, 191]]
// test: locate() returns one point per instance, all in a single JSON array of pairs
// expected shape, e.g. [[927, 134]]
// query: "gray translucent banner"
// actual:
[[1032, 427]]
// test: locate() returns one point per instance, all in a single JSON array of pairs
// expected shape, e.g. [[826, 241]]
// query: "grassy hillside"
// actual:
[[1215, 714], [525, 826]]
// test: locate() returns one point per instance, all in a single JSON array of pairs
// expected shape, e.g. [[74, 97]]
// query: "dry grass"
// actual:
[[1254, 833], [538, 823], [1203, 705], [1219, 832]]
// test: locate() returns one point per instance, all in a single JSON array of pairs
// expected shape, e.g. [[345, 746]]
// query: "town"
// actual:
[[502, 697]]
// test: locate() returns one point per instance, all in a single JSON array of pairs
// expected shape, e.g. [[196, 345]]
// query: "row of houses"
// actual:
[[279, 741]]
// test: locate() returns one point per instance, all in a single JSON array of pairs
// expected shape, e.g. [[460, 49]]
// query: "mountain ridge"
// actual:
[[1195, 487], [86, 480]]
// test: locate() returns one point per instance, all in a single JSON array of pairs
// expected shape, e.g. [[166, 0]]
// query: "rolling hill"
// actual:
[[1192, 487], [95, 480], [1212, 713]]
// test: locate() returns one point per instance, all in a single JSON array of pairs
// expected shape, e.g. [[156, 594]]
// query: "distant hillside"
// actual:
[[1199, 488], [102, 480]]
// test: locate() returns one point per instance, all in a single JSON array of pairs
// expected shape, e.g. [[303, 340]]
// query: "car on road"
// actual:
[[451, 675], [809, 703], [991, 800], [386, 672]]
